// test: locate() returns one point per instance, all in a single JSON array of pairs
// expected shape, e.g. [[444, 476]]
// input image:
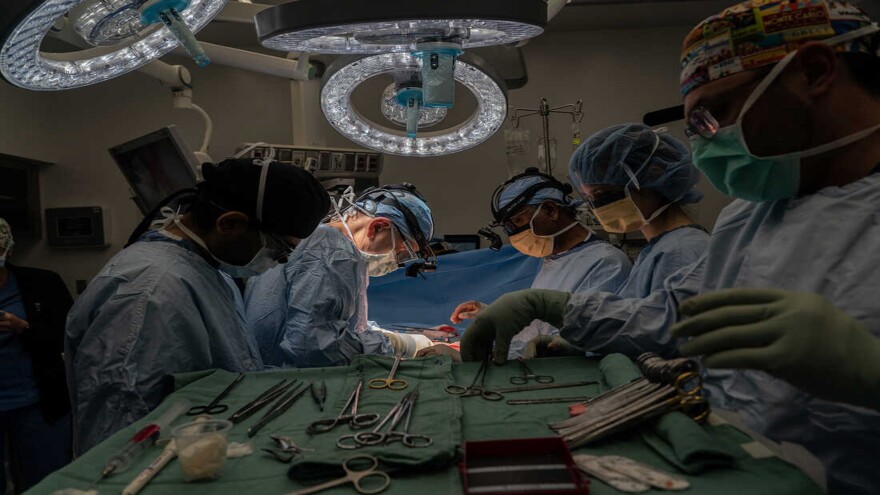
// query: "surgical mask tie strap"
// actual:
[[632, 176]]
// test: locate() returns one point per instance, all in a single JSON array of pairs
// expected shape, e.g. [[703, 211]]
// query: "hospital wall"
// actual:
[[620, 75]]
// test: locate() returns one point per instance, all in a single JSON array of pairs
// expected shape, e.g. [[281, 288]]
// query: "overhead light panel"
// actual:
[[368, 27], [122, 35], [346, 74]]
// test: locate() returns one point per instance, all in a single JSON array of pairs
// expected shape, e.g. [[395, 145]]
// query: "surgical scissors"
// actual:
[[474, 389], [353, 419], [528, 374], [215, 407], [390, 382], [355, 477], [261, 401]]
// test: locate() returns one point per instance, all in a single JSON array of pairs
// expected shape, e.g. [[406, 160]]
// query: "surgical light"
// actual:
[[394, 111], [364, 27], [120, 40], [346, 74]]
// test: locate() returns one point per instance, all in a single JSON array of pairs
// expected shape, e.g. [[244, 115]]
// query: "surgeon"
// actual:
[[312, 311], [784, 304], [166, 303], [636, 179], [540, 219]]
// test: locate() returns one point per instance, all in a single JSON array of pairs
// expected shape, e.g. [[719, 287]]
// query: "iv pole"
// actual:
[[544, 110]]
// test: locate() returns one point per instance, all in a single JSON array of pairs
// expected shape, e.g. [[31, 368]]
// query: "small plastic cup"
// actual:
[[201, 448]]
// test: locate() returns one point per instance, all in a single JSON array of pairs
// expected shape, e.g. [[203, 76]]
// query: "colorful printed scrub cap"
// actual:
[[756, 33]]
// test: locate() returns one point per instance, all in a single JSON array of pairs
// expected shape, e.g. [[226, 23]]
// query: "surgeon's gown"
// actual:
[[826, 243], [312, 311], [661, 257], [156, 308], [593, 265]]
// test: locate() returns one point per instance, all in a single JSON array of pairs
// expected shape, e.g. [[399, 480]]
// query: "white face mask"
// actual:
[[380, 264]]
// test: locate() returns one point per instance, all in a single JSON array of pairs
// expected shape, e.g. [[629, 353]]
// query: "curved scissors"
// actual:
[[528, 374], [353, 419], [354, 476], [390, 382], [215, 407], [474, 389]]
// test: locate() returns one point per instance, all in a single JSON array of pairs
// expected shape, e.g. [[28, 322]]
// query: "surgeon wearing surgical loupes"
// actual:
[[539, 217], [312, 311], [166, 303], [786, 294]]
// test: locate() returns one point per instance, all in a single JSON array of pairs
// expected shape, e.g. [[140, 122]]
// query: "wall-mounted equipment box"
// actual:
[[84, 226]]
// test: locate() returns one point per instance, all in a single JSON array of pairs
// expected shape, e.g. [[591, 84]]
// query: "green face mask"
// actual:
[[734, 170]]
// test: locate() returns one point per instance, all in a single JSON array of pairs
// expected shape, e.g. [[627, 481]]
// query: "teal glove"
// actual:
[[506, 317], [799, 337], [550, 346]]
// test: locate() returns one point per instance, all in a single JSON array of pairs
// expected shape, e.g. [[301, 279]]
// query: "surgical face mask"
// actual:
[[538, 246], [378, 264], [265, 259], [734, 170], [621, 216]]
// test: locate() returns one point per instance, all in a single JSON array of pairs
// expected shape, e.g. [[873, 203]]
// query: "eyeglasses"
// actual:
[[511, 227], [702, 123]]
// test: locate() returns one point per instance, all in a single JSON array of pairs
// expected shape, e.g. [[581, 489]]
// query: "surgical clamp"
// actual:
[[528, 375], [474, 389], [352, 417], [390, 382], [401, 411]]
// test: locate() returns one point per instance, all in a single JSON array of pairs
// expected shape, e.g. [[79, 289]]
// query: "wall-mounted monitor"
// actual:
[[156, 165]]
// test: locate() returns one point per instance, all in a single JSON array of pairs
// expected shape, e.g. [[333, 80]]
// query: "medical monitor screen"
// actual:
[[155, 166]]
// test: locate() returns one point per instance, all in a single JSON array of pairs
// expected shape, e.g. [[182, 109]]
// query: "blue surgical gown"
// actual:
[[312, 311], [593, 265], [826, 243], [663, 256], [156, 308]]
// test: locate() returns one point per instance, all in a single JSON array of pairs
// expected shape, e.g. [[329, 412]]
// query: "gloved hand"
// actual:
[[550, 346], [507, 316], [440, 350], [466, 310], [407, 345], [799, 337]]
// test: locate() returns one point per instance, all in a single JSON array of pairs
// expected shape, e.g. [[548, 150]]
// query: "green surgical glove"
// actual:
[[507, 316], [799, 337], [550, 346]]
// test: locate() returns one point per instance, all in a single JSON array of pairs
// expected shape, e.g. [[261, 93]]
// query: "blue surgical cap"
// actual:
[[606, 155], [514, 189], [419, 209]]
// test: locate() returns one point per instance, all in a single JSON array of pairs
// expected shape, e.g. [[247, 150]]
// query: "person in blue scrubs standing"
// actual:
[[636, 179], [34, 406]]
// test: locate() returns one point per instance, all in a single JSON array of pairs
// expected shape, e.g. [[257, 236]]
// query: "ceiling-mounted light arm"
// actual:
[[167, 12]]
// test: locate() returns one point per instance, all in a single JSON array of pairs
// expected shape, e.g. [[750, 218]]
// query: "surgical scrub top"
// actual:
[[825, 243], [18, 388], [592, 265], [663, 256], [312, 311], [156, 308]]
